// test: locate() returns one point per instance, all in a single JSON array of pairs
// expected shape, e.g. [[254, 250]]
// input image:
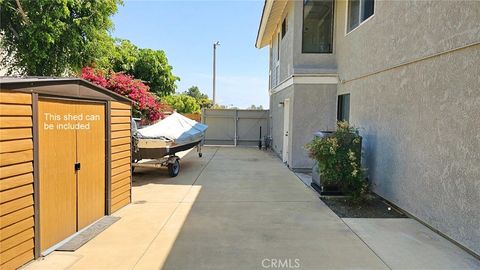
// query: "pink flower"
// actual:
[[126, 85]]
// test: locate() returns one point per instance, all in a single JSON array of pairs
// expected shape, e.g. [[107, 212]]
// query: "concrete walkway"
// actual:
[[235, 208]]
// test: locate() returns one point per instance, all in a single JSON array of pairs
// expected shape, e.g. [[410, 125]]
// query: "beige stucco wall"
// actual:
[[286, 46], [413, 74], [403, 31], [314, 109], [420, 120], [277, 118]]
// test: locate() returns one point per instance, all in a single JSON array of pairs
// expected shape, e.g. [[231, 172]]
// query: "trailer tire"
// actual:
[[174, 168]]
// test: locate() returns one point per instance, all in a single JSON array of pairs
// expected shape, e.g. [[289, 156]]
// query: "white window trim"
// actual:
[[277, 63], [360, 16], [305, 79], [270, 84]]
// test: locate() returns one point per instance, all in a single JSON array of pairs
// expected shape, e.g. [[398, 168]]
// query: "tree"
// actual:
[[145, 104], [205, 103], [182, 103], [123, 58], [152, 66], [253, 107], [148, 65], [194, 92], [52, 38], [201, 98]]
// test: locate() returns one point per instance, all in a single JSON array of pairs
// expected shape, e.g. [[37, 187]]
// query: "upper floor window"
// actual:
[[284, 27], [359, 11], [317, 26]]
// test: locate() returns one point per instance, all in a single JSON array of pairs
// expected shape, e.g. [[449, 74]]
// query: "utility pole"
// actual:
[[215, 45]]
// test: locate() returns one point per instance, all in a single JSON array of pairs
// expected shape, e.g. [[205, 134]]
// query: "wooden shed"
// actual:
[[65, 155]]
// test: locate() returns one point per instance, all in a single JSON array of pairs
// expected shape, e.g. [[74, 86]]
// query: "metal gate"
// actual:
[[235, 127]]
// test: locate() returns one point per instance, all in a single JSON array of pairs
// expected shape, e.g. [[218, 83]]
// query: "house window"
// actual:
[[284, 27], [317, 26], [278, 47], [359, 11], [343, 108]]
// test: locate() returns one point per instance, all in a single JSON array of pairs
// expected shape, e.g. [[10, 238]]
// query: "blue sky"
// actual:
[[186, 30]]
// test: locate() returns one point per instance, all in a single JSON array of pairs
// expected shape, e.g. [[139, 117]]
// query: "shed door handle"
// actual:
[[77, 166]]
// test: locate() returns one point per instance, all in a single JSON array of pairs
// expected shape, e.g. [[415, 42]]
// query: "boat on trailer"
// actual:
[[157, 145]]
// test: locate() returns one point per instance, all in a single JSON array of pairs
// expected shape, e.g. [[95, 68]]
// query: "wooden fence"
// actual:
[[194, 116]]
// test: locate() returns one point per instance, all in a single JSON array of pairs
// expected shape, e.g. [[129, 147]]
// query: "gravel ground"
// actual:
[[373, 207]]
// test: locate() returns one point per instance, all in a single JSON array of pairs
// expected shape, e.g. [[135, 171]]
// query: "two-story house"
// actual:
[[407, 73]]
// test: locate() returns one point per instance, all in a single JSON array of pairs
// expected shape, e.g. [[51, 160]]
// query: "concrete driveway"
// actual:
[[235, 208]]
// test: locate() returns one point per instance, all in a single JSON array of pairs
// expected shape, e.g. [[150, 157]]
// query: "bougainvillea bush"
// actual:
[[145, 104]]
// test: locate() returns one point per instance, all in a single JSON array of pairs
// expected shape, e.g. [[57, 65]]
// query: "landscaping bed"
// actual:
[[372, 207]]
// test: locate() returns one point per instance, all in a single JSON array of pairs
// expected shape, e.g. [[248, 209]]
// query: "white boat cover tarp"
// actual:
[[175, 127]]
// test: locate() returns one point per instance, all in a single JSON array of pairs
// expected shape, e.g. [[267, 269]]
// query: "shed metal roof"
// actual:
[[61, 86]]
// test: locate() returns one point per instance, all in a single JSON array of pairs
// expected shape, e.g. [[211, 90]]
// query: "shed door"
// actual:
[[70, 199], [91, 156], [58, 185]]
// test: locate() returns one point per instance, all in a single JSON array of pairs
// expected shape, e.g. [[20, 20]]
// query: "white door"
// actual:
[[286, 124]]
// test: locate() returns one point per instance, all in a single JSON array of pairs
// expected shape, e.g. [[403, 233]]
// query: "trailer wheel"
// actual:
[[174, 168], [200, 154]]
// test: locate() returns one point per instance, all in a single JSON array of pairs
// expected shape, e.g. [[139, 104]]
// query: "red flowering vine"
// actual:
[[145, 104]]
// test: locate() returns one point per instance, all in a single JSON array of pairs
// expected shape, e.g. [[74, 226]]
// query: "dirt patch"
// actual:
[[373, 207]]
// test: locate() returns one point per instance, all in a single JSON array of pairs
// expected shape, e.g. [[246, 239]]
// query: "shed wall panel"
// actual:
[[15, 134], [19, 260], [15, 122], [126, 112], [120, 176], [16, 228], [16, 145], [120, 155], [15, 98], [121, 169], [16, 157], [15, 110], [14, 252], [17, 169], [17, 238], [121, 183], [16, 180], [118, 127], [120, 105], [121, 162], [120, 148], [15, 193], [16, 216]]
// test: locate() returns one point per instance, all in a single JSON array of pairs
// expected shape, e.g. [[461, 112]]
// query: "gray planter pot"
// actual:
[[316, 183]]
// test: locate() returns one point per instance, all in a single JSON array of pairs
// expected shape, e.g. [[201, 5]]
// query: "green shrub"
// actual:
[[182, 103], [338, 158]]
